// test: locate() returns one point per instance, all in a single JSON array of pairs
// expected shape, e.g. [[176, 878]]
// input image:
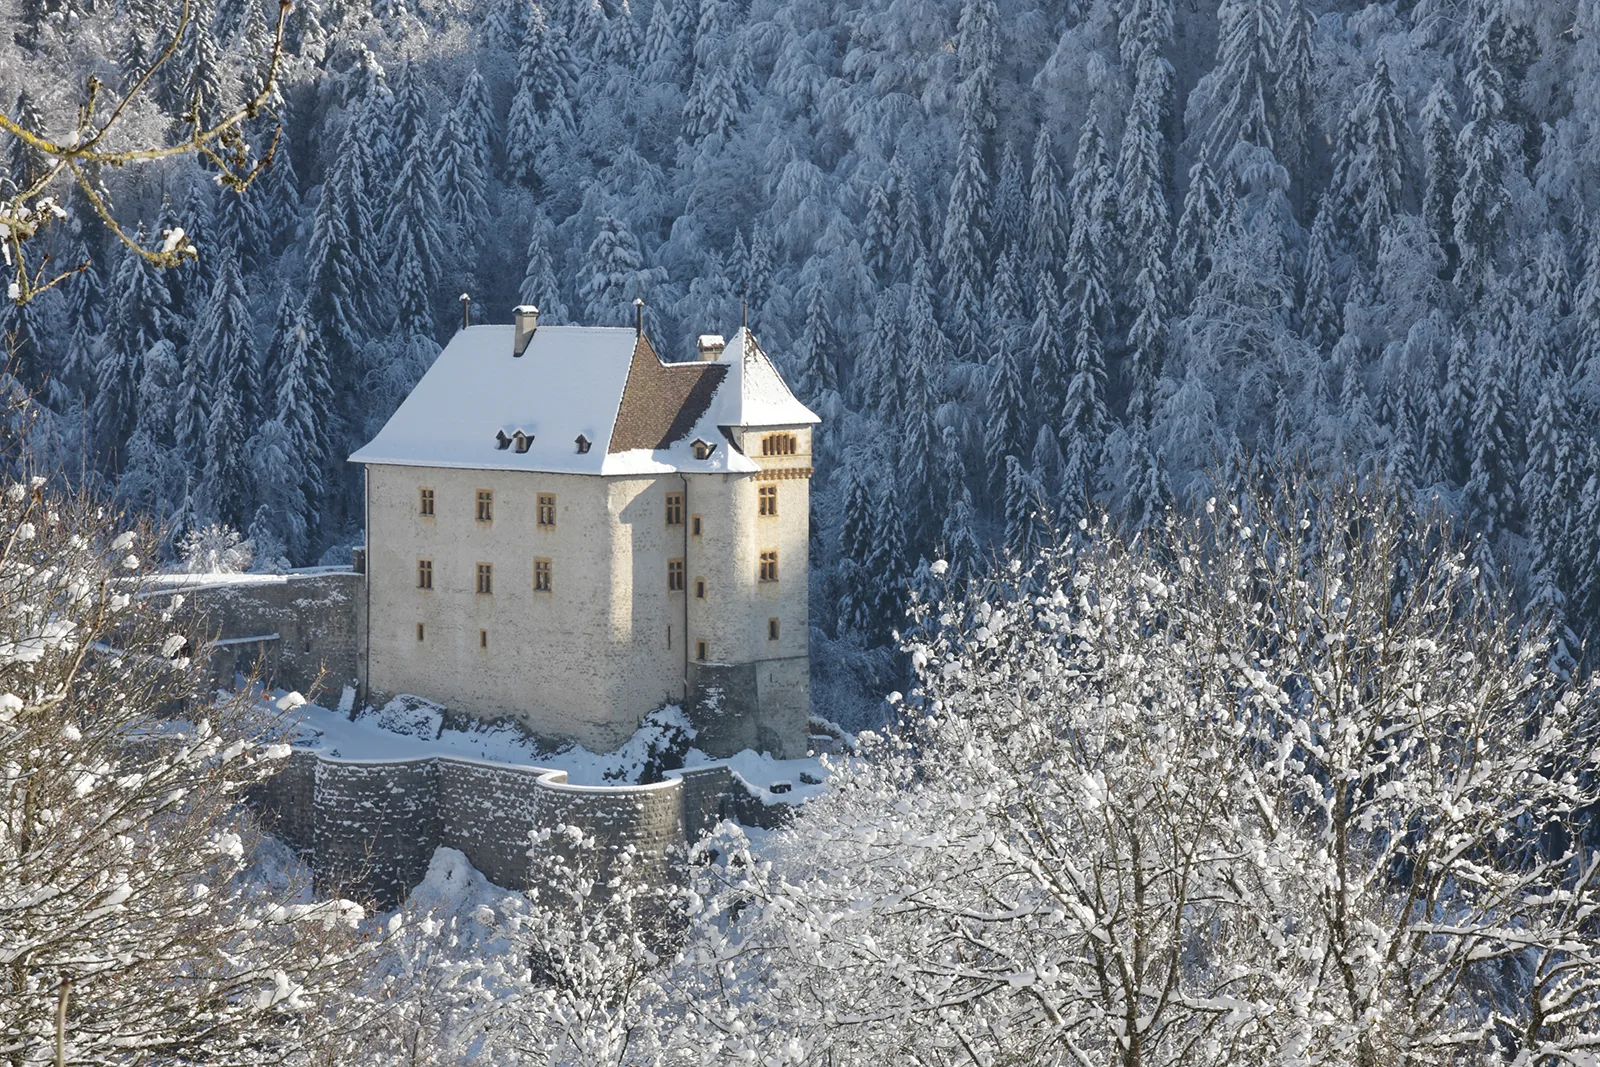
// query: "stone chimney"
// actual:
[[710, 346], [527, 319]]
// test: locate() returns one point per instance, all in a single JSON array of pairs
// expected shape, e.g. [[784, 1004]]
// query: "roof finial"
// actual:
[[638, 316], [744, 312], [466, 310]]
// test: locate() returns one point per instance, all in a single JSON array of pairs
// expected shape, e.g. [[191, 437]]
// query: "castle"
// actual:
[[566, 531], [563, 531]]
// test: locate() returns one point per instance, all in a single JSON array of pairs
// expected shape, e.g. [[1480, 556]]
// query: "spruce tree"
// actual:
[[878, 233], [139, 317], [1023, 512], [963, 250], [1481, 199], [1010, 206], [877, 380], [817, 351], [411, 225], [1293, 93], [910, 243], [302, 391], [885, 570], [1553, 478], [1370, 174], [1144, 25], [1145, 222], [1439, 164], [1247, 43], [977, 55], [1495, 434], [1047, 211], [1049, 342], [1197, 234], [544, 95], [615, 274], [1006, 430], [462, 148], [340, 271], [1089, 255], [1320, 316], [857, 604], [539, 284], [918, 435]]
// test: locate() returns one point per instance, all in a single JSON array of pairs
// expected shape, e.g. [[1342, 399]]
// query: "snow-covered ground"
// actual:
[[408, 728]]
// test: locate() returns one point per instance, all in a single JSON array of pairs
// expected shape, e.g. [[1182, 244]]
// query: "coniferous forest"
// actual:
[[1029, 259]]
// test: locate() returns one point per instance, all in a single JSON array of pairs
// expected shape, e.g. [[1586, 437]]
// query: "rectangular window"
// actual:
[[485, 505], [424, 574], [772, 629], [700, 651], [419, 631], [674, 575], [483, 638], [425, 501], [674, 509], [767, 496], [694, 525], [547, 509], [486, 578], [699, 588], [541, 576], [769, 565], [778, 444]]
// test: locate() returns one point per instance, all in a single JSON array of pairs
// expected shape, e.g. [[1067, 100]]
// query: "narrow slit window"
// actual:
[[485, 505], [674, 509], [769, 565], [700, 651], [541, 576], [699, 588], [486, 578], [767, 497], [425, 502], [420, 631], [694, 525], [424, 574], [547, 510], [483, 638], [772, 629], [674, 575]]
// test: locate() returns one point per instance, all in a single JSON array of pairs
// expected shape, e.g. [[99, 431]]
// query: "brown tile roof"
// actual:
[[661, 402]]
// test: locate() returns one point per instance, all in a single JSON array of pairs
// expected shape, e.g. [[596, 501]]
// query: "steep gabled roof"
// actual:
[[606, 384], [662, 401]]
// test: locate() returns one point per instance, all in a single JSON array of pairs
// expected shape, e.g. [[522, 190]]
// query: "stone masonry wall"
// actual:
[[369, 827], [317, 617], [375, 825]]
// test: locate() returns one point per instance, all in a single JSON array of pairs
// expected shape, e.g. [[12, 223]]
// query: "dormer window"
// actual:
[[523, 440], [583, 444], [703, 449], [501, 441]]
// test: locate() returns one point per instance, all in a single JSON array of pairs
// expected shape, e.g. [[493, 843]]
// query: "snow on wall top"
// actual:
[[573, 380]]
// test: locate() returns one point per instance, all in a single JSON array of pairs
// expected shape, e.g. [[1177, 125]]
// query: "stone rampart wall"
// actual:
[[297, 629], [369, 827]]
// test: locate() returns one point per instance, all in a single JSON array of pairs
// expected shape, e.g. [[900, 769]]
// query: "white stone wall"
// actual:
[[586, 660]]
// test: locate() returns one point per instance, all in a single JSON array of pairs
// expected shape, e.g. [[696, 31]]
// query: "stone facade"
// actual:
[[369, 827], [300, 631], [609, 641]]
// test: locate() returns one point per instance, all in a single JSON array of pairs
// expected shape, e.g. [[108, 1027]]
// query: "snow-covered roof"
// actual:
[[755, 394], [640, 415]]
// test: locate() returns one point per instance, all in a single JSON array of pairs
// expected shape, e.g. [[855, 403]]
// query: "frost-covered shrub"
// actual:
[[1278, 784], [128, 935], [215, 549]]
